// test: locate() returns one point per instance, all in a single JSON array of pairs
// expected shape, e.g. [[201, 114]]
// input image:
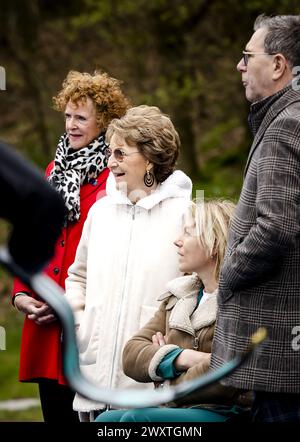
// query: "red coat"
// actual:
[[41, 344]]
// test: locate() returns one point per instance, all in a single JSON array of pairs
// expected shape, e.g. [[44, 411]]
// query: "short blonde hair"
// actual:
[[104, 91], [154, 135], [212, 219]]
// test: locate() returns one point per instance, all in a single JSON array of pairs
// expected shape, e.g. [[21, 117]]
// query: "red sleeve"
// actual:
[[49, 169]]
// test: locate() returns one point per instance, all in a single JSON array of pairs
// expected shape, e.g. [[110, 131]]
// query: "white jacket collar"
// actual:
[[184, 316], [178, 184], [182, 286]]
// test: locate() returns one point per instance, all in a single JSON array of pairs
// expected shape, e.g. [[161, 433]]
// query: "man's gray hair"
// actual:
[[283, 36]]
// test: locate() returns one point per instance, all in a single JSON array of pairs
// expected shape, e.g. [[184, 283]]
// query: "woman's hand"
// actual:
[[37, 311], [158, 339], [188, 358]]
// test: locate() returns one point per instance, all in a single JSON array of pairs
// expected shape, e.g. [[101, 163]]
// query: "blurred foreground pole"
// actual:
[[35, 210]]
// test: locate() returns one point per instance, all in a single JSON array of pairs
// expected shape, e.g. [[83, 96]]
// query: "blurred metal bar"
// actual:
[[51, 293]]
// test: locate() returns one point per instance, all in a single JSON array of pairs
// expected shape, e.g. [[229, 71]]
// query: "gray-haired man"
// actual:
[[260, 278]]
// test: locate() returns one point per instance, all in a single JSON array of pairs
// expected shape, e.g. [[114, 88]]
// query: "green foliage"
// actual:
[[180, 55], [12, 321], [177, 54], [29, 415]]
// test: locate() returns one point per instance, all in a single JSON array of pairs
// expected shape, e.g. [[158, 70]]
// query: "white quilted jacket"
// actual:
[[124, 259]]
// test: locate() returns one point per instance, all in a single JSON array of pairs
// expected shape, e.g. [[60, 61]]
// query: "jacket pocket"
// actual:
[[225, 293], [147, 313], [88, 335]]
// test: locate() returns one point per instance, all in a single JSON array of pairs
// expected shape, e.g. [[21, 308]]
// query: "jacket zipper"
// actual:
[[196, 339], [121, 303], [196, 342]]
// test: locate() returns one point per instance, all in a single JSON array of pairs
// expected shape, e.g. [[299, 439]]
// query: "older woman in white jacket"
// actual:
[[126, 253]]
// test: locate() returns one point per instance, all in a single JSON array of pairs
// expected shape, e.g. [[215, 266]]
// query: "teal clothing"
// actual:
[[193, 414], [200, 294], [166, 368]]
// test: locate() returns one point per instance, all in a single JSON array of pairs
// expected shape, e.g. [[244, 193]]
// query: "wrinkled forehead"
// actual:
[[117, 140], [84, 104], [256, 42], [188, 219]]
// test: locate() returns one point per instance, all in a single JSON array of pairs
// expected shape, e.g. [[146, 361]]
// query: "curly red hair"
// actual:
[[104, 91]]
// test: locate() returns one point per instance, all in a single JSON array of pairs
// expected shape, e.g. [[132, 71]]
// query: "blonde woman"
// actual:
[[175, 345]]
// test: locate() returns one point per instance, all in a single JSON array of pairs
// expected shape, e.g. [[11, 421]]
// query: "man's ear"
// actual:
[[280, 66]]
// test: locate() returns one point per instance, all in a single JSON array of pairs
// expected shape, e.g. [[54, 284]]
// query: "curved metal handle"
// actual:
[[139, 398]]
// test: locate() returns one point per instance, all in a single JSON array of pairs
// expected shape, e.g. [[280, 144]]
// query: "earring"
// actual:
[[149, 179]]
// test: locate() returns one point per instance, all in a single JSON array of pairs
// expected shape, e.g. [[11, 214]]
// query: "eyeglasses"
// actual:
[[246, 55], [119, 154]]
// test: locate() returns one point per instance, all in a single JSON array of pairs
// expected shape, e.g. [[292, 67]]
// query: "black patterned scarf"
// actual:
[[73, 168]]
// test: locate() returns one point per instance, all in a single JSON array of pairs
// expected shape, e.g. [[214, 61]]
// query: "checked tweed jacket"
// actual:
[[260, 277]]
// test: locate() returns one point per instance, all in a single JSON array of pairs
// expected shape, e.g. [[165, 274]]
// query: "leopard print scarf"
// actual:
[[73, 168]]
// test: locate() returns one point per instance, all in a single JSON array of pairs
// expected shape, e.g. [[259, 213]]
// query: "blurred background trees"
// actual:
[[180, 55], [177, 54]]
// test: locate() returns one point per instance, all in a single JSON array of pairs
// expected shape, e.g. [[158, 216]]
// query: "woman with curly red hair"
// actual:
[[78, 172]]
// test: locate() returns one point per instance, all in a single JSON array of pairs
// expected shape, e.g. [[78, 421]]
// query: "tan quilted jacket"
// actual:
[[185, 327]]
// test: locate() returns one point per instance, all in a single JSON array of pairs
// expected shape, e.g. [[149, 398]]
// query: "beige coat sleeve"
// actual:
[[215, 394], [139, 354]]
